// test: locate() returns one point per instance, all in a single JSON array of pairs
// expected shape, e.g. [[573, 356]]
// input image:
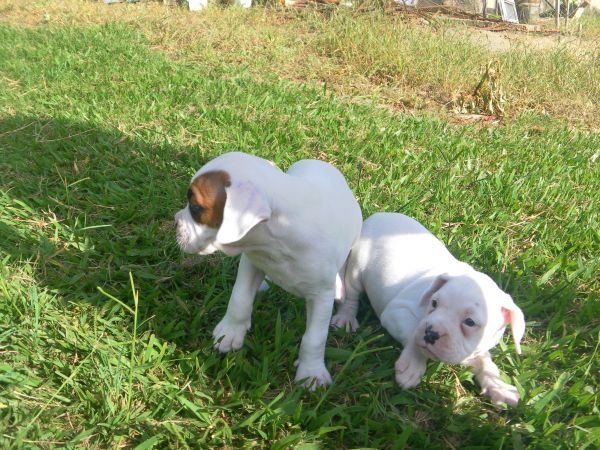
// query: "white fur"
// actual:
[[296, 228], [405, 270]]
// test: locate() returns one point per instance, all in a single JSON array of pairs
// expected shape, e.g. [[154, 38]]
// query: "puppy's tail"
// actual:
[[340, 291], [340, 287]]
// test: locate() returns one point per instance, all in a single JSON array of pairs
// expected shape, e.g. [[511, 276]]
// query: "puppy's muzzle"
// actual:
[[181, 233], [430, 335]]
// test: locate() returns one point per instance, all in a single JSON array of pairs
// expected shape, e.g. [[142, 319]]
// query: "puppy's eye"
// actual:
[[195, 209], [434, 303], [189, 194], [469, 322]]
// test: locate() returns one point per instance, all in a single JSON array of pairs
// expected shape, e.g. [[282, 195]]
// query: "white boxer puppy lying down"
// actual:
[[438, 307], [295, 227]]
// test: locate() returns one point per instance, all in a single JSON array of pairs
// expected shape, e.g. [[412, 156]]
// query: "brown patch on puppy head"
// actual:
[[206, 197]]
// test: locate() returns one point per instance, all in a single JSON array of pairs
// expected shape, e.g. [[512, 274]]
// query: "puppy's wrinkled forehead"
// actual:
[[206, 196], [463, 287], [463, 292]]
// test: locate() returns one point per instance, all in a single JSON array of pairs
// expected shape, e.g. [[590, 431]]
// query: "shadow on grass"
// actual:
[[86, 206]]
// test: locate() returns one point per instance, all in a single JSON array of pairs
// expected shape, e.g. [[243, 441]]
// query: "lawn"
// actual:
[[105, 327]]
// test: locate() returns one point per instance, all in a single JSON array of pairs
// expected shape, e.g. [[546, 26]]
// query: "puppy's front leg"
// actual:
[[311, 361], [410, 367], [487, 375], [229, 333], [401, 322]]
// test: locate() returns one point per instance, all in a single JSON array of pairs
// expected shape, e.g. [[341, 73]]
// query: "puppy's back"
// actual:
[[329, 201], [393, 251], [394, 235], [323, 174]]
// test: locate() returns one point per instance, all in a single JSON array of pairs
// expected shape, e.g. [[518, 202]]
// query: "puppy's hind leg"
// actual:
[[230, 332], [347, 307], [348, 289], [345, 315], [311, 368]]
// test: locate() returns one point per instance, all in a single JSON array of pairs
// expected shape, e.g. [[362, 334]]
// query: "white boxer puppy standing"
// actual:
[[295, 227], [436, 306]]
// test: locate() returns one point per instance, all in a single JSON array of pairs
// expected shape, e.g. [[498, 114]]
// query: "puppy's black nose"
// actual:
[[430, 335]]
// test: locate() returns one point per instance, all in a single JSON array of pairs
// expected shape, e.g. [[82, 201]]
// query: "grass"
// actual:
[[105, 327], [588, 26], [405, 64]]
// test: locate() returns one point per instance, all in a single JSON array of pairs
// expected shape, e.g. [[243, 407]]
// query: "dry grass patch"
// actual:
[[588, 27], [384, 58]]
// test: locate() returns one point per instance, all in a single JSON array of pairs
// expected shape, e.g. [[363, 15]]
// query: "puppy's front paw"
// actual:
[[409, 371], [313, 377], [229, 335], [500, 392], [345, 321]]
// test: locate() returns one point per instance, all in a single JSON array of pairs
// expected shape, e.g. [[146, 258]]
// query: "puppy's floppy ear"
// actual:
[[245, 207], [437, 284], [514, 316]]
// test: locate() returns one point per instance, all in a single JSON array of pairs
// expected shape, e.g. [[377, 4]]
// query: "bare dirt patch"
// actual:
[[502, 41]]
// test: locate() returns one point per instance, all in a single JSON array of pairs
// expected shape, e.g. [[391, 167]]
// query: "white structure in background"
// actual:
[[593, 6], [198, 5], [508, 11], [506, 8], [470, 6]]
